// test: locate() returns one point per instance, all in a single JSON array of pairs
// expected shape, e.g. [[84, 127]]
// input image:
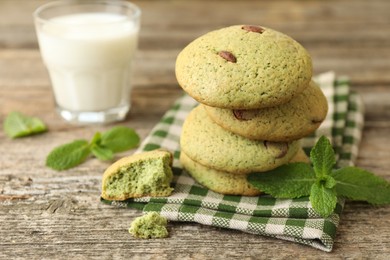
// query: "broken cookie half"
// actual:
[[139, 175]]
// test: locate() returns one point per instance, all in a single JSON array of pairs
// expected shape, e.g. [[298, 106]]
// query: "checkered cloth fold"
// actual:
[[288, 219]]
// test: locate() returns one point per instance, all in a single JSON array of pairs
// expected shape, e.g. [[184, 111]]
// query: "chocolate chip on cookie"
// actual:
[[227, 56], [280, 148], [253, 28], [243, 114]]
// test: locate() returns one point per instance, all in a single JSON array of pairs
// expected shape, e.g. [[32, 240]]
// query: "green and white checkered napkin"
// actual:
[[288, 219]]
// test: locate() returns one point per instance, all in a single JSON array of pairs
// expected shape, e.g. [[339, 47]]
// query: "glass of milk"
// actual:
[[88, 48]]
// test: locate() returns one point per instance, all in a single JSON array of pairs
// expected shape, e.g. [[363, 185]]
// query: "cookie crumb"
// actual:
[[150, 225]]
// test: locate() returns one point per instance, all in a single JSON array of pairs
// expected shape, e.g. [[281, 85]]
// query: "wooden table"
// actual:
[[49, 214]]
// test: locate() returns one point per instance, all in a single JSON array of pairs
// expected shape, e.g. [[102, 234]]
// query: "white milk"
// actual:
[[88, 57]]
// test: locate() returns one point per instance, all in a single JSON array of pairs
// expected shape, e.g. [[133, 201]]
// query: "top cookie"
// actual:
[[243, 67]]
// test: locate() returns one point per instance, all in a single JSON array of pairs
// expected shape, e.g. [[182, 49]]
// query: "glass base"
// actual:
[[94, 117]]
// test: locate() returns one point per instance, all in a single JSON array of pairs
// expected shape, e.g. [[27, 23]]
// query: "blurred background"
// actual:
[[351, 38], [338, 34]]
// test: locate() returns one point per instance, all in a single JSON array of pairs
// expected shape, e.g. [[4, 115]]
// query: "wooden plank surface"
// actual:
[[48, 214]]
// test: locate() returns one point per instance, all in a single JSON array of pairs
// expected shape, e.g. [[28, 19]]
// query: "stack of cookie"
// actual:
[[256, 99]]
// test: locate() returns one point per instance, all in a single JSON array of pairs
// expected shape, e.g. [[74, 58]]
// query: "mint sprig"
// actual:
[[17, 125], [103, 146], [322, 183]]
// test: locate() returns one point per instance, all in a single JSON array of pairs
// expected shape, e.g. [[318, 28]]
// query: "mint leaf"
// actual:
[[329, 182], [102, 153], [18, 125], [322, 156], [358, 184], [96, 139], [292, 180], [323, 200], [120, 139], [68, 155]]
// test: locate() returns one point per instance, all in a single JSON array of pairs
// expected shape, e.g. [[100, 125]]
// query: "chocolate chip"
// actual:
[[283, 151], [316, 121], [280, 147], [227, 56], [253, 28], [243, 114]]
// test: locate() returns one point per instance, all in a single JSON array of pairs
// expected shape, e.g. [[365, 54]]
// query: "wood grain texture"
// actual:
[[48, 214]]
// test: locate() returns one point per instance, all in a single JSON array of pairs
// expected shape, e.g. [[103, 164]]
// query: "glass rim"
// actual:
[[60, 3]]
